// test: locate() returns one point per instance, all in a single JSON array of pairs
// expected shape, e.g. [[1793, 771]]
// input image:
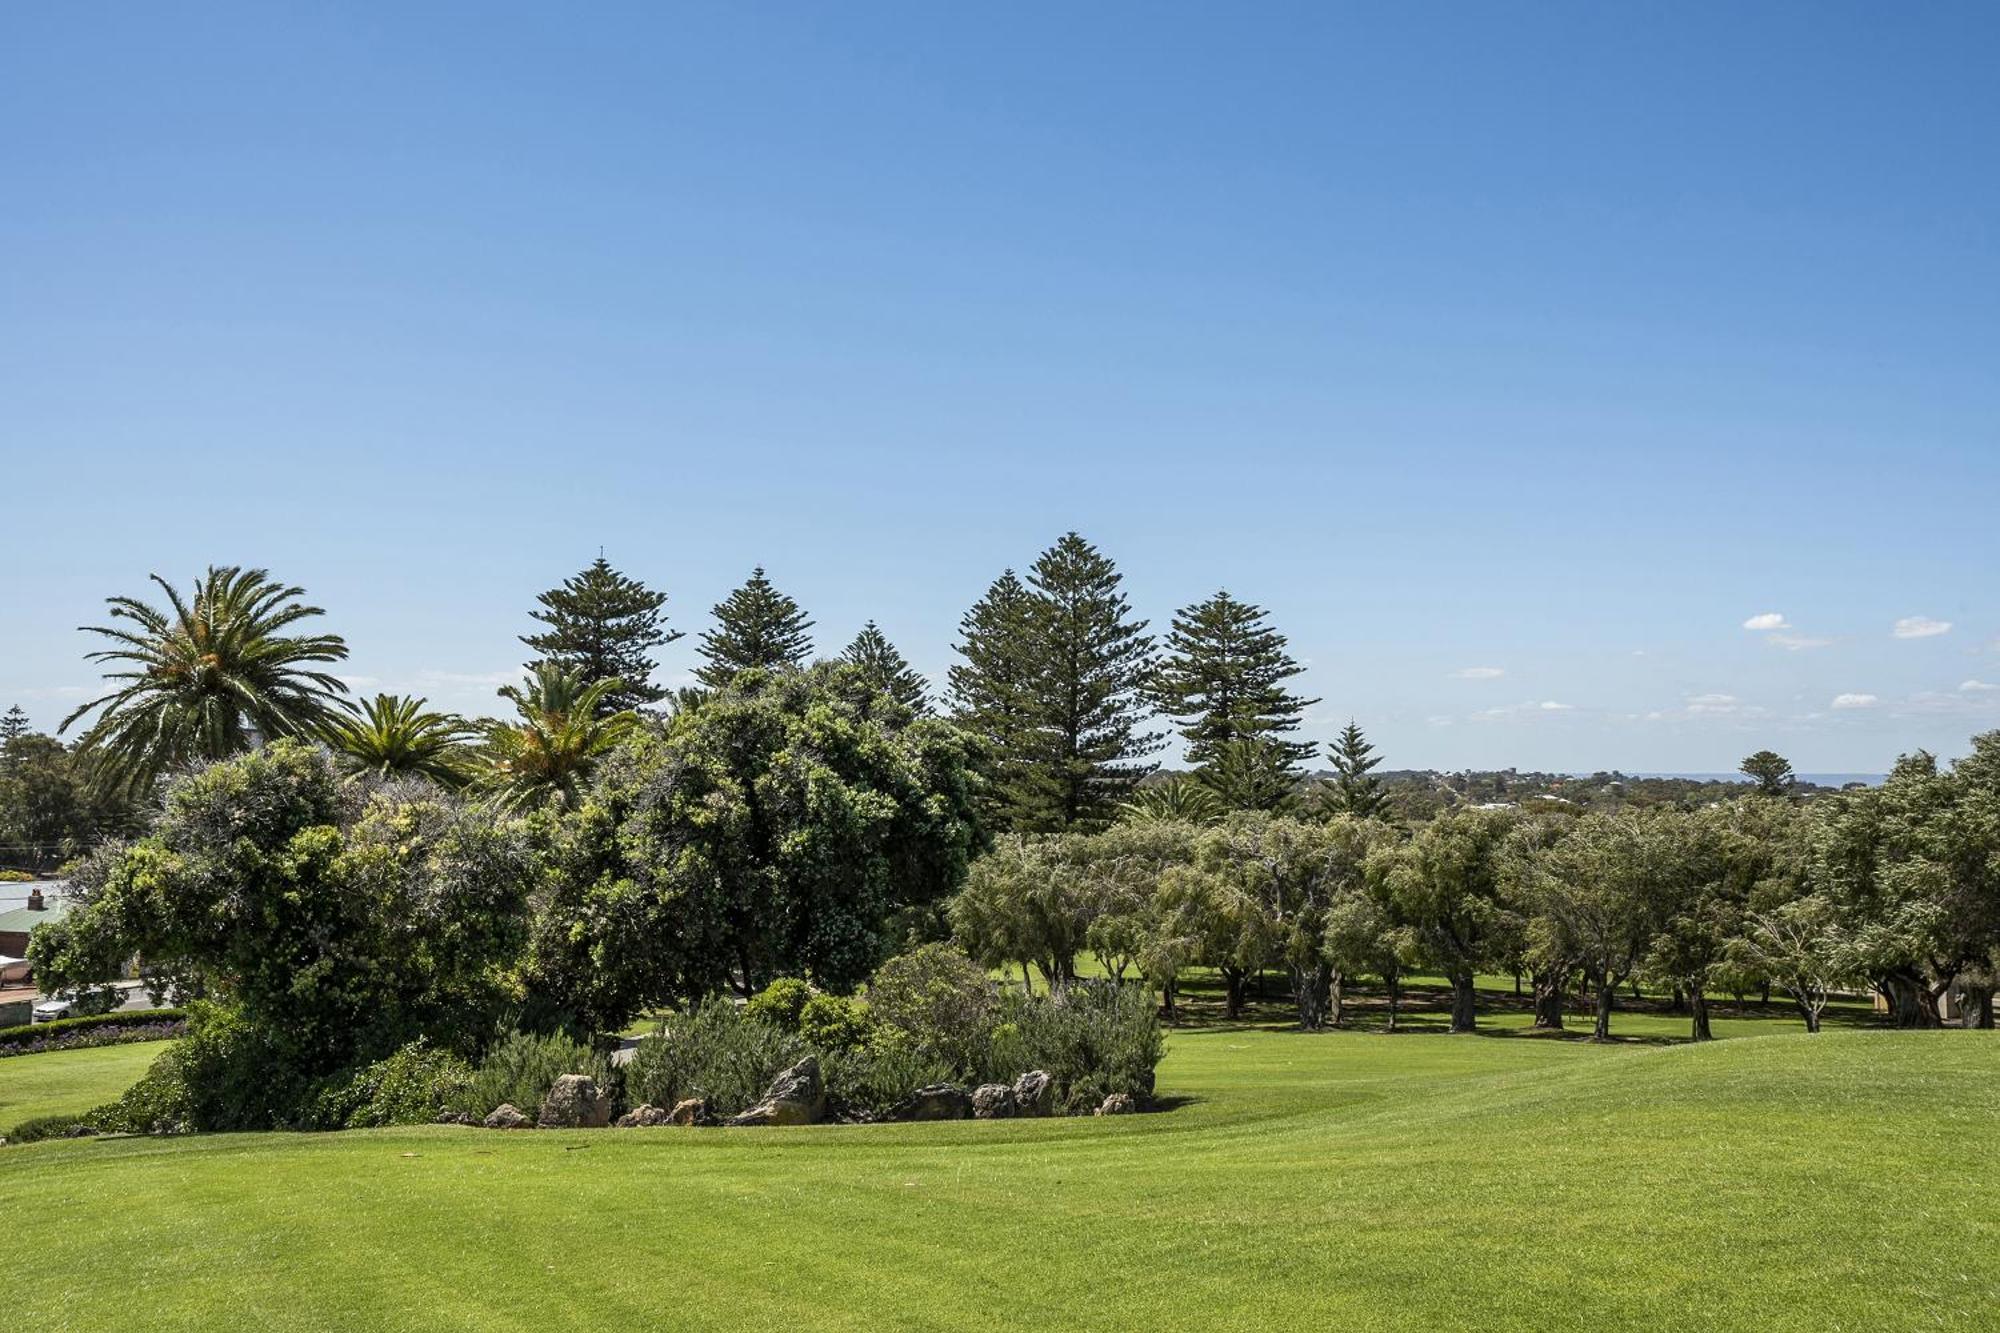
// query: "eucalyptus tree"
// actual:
[[396, 736], [211, 674], [549, 749], [1593, 900], [1445, 886]]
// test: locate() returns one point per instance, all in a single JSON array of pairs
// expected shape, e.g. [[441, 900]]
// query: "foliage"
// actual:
[[602, 625], [715, 1051], [46, 1127], [1177, 798], [1052, 681], [1802, 947], [940, 1000], [886, 671], [1444, 884], [831, 1023], [1092, 1039], [520, 1068], [1222, 680], [1771, 771], [50, 808], [207, 677], [341, 923], [66, 1034], [393, 736], [1355, 790], [560, 732], [409, 1087], [875, 1076], [772, 829], [757, 628], [780, 1003]]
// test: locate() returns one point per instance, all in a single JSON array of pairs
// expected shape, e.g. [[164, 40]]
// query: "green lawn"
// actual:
[[62, 1082], [1346, 1180]]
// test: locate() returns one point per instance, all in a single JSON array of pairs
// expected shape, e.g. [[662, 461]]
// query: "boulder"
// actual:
[[1034, 1093], [455, 1118], [1118, 1103], [691, 1111], [642, 1117], [796, 1097], [938, 1101], [993, 1101], [504, 1116], [575, 1102]]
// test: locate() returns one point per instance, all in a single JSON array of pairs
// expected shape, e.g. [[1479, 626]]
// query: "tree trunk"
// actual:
[[1764, 994], [1312, 989], [1027, 979], [1978, 1002], [1394, 981], [1463, 1019], [1232, 992], [1517, 983], [1337, 1006], [1697, 1000], [1812, 1015], [1549, 987], [1607, 995], [1679, 1003], [1167, 1009]]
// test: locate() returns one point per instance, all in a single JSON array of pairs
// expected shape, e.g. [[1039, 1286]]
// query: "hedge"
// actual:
[[66, 1032]]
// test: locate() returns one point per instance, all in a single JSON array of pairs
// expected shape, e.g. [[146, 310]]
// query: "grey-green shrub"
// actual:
[[1093, 1038], [715, 1052], [830, 1023], [942, 1000], [875, 1076], [521, 1067], [409, 1088]]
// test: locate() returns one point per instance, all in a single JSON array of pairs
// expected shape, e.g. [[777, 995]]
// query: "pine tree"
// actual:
[[1223, 681], [990, 692], [600, 626], [1354, 789], [14, 726], [1052, 679], [886, 669], [755, 626]]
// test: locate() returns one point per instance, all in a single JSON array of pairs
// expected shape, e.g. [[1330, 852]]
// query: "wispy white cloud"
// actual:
[[1711, 704], [1796, 642], [1845, 701], [1766, 620], [1920, 627], [1479, 673], [1976, 686], [1551, 706]]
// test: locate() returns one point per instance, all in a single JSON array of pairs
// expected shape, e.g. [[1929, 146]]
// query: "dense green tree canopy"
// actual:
[[777, 827], [603, 625], [335, 922]]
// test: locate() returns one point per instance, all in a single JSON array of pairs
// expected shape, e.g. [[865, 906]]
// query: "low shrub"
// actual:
[[409, 1088], [780, 1003], [831, 1023], [1093, 1038], [15, 877], [45, 1127], [520, 1069], [875, 1076], [97, 1030], [717, 1052], [941, 1000]]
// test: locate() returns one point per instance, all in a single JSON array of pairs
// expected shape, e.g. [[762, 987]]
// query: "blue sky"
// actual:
[[1554, 341]]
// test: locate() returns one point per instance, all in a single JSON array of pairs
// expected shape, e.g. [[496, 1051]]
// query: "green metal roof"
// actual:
[[26, 919]]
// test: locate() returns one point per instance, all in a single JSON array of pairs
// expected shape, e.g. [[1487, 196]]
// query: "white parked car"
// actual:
[[54, 1007]]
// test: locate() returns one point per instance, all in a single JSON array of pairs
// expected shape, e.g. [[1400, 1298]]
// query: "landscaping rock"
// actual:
[[691, 1111], [1034, 1093], [939, 1101], [1118, 1103], [504, 1116], [575, 1102], [795, 1097], [642, 1117], [456, 1118], [993, 1101], [80, 1132]]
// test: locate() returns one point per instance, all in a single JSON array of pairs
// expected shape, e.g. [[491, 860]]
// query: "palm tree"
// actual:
[[212, 675], [1179, 798], [550, 751], [393, 736]]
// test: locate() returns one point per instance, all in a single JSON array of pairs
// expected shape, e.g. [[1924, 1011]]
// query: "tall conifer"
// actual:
[[1355, 790], [755, 626], [886, 669], [601, 625], [1223, 681]]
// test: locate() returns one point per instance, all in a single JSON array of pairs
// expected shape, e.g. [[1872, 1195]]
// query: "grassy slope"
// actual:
[[62, 1082], [1345, 1180]]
